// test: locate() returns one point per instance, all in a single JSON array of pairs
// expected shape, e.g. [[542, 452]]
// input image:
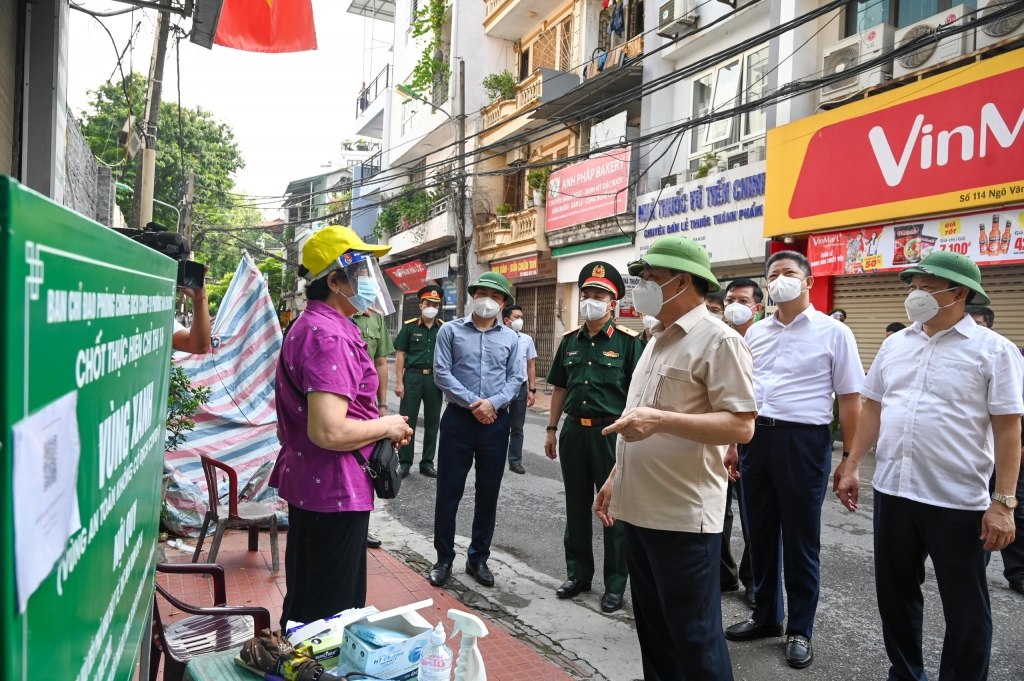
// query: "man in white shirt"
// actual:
[[802, 357], [944, 405], [513, 317]]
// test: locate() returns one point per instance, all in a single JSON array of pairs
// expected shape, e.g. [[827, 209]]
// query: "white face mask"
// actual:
[[922, 306], [738, 314], [650, 322], [430, 312], [648, 296], [485, 307], [719, 317], [785, 289], [517, 325], [593, 309]]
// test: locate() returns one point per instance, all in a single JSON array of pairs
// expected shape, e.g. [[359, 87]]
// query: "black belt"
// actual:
[[420, 370], [596, 421], [772, 423]]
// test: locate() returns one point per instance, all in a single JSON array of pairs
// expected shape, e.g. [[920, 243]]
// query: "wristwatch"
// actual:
[[533, 390], [1009, 502]]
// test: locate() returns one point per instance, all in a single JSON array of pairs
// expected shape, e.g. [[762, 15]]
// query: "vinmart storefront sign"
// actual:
[[993, 237], [944, 144], [723, 212]]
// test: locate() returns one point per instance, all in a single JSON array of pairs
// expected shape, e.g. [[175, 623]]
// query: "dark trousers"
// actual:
[[587, 457], [420, 387], [324, 563], [906, 532], [466, 442], [729, 571], [783, 477], [517, 413], [676, 603]]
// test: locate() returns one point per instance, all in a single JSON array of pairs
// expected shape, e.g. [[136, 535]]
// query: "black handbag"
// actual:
[[383, 467]]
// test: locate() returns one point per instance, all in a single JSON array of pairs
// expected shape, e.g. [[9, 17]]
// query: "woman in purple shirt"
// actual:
[[326, 408]]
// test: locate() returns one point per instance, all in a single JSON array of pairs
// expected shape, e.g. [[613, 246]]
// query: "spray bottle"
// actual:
[[470, 665]]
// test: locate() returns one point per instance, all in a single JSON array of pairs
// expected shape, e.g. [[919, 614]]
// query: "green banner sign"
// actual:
[[85, 346]]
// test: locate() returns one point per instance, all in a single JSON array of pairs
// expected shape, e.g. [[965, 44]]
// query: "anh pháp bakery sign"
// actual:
[[723, 212], [593, 189], [991, 237], [948, 143]]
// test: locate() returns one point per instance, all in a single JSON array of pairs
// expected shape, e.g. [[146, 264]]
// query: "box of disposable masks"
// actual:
[[387, 644]]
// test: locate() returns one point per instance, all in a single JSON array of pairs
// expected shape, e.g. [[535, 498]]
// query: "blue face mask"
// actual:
[[366, 293]]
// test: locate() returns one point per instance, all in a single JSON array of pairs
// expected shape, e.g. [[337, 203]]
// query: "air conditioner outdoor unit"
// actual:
[[857, 49], [517, 156], [1010, 26], [933, 52], [673, 15]]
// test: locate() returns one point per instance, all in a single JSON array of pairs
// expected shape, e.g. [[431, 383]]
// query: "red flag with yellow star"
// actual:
[[267, 25]]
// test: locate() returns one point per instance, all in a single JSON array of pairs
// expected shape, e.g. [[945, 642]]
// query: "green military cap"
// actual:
[[678, 253], [958, 269], [495, 281], [602, 275], [431, 292]]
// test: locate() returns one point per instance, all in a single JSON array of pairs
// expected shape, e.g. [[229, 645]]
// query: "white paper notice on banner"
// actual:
[[46, 451]]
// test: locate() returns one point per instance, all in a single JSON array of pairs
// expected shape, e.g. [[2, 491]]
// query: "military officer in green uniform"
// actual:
[[590, 373], [378, 345], [414, 366]]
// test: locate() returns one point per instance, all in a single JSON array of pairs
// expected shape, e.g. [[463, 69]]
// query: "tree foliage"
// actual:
[[183, 401], [429, 70]]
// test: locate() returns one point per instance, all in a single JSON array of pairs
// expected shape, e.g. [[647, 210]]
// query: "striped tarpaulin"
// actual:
[[239, 425]]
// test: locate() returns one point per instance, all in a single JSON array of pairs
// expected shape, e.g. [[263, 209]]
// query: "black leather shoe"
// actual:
[[517, 468], [1018, 586], [480, 573], [428, 471], [372, 542], [727, 588], [798, 652], [751, 631], [750, 597], [440, 573], [572, 588], [611, 602], [405, 472]]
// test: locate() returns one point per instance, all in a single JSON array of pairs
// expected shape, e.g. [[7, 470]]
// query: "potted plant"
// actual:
[[503, 210], [538, 180], [501, 84], [707, 164]]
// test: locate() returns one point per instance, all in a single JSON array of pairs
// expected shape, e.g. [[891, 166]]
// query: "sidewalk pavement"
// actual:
[[390, 583]]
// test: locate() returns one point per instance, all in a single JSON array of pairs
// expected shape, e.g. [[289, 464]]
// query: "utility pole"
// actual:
[[461, 211], [186, 223], [145, 169]]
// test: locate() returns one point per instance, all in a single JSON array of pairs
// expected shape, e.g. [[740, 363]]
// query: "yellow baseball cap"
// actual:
[[327, 245]]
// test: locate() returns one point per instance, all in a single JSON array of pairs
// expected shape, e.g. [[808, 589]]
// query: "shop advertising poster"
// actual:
[[723, 212], [410, 277], [590, 190], [992, 237], [86, 347]]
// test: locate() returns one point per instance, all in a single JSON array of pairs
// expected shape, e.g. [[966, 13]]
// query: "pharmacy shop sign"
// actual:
[[724, 212]]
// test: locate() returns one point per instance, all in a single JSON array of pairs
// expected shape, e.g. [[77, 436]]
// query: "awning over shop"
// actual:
[[601, 88], [617, 251]]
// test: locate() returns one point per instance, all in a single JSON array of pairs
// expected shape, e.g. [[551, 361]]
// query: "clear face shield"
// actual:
[[366, 279]]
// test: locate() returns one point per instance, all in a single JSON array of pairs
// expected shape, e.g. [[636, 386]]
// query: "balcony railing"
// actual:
[[527, 94], [439, 207], [371, 166], [510, 230], [619, 56], [377, 87], [492, 7]]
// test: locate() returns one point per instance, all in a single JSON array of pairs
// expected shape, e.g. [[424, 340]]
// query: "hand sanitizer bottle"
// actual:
[[436, 658]]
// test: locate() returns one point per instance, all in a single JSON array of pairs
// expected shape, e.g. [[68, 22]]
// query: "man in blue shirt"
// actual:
[[479, 368]]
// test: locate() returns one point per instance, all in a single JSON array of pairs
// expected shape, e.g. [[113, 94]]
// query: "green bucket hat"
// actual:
[[678, 253], [957, 269], [495, 281]]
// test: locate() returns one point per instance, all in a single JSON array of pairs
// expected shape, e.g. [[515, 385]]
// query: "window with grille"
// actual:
[[565, 45], [515, 182], [524, 65], [544, 50]]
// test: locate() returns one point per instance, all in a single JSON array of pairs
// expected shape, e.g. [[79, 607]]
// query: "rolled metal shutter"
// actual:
[[8, 86], [874, 301]]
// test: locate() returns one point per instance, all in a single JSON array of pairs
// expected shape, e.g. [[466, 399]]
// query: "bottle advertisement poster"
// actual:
[[993, 237]]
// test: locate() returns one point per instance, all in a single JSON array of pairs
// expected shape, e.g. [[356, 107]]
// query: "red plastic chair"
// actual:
[[210, 630], [234, 515]]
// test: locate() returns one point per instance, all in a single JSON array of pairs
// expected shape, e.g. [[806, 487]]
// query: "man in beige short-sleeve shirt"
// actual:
[[690, 397]]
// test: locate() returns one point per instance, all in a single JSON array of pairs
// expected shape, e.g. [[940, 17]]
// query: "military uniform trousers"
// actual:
[[420, 387], [587, 458]]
